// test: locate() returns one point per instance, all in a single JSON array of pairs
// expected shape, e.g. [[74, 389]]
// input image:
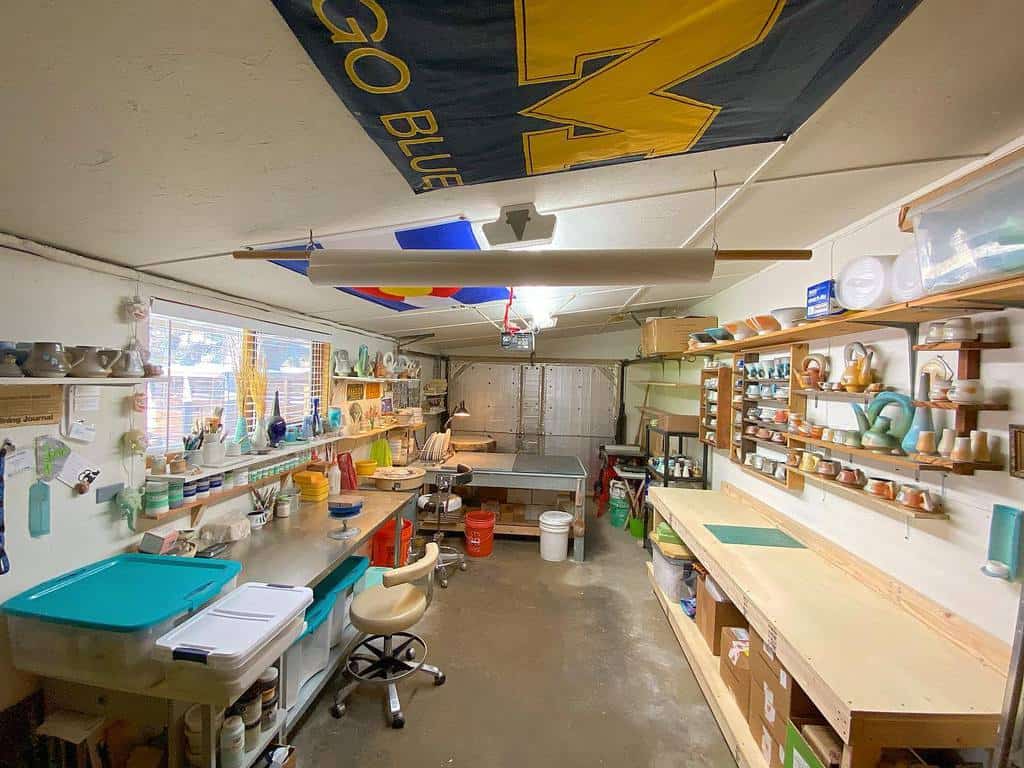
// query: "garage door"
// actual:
[[550, 409]]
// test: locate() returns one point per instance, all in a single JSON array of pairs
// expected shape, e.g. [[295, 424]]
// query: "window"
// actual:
[[199, 361], [289, 372]]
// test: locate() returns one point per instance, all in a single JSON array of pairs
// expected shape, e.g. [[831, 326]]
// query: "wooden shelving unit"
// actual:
[[916, 462], [863, 496], [704, 665], [722, 431], [92, 381]]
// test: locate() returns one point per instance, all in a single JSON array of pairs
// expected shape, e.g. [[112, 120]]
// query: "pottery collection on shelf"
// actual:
[[54, 360]]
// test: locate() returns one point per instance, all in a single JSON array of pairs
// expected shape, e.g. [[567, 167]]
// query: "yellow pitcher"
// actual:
[[858, 374]]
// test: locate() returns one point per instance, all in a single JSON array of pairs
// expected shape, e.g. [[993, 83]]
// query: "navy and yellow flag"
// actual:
[[459, 93]]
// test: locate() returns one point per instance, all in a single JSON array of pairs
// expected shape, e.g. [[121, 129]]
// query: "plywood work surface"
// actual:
[[857, 654]]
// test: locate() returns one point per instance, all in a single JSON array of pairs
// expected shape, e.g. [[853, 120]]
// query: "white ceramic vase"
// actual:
[[260, 441], [947, 442]]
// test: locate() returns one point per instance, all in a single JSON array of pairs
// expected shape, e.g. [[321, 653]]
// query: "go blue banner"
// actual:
[[459, 93]]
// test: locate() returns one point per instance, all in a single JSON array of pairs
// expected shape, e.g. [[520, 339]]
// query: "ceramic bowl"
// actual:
[[764, 433], [787, 317], [702, 338], [718, 334], [816, 431], [738, 329], [763, 324], [779, 437]]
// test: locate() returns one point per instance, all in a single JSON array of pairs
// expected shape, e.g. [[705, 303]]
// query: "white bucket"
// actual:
[[554, 535]]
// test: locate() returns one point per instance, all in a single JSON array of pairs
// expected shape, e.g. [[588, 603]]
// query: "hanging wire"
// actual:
[[714, 209]]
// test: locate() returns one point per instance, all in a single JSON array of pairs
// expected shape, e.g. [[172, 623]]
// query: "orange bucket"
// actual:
[[384, 544], [479, 533]]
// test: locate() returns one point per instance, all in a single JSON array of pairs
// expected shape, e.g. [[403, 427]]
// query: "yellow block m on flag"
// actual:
[[626, 106]]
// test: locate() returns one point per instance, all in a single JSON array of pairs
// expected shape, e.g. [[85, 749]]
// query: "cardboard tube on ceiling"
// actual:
[[359, 267]]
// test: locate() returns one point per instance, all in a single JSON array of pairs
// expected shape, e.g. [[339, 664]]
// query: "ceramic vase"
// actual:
[[947, 442], [979, 445], [922, 416], [962, 449], [277, 427], [259, 434], [318, 425], [925, 442]]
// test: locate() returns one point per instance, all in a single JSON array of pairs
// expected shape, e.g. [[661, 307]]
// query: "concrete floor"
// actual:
[[548, 665]]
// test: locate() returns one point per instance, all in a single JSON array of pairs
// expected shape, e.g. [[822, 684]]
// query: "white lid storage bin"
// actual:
[[672, 574], [214, 656]]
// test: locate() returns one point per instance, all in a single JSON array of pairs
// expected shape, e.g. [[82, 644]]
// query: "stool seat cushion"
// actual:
[[386, 610]]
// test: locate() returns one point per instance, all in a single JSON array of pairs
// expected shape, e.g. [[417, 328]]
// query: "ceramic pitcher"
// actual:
[[131, 362], [93, 362], [47, 359]]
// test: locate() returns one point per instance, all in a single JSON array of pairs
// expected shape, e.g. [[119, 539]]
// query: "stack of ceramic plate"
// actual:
[[436, 448]]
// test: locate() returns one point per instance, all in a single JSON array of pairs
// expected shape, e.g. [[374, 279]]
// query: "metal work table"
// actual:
[[521, 470]]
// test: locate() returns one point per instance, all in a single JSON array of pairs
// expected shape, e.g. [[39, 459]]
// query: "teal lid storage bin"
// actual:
[[98, 623]]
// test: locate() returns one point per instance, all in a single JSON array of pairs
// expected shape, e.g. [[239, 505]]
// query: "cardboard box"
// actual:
[[547, 499], [715, 611], [774, 696], [518, 495], [675, 422], [822, 741], [734, 665], [666, 335], [772, 750]]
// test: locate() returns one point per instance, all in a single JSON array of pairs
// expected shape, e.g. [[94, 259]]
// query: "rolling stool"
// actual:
[[390, 652], [445, 479]]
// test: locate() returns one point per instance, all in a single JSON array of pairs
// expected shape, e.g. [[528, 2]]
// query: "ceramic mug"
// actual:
[[881, 487], [749, 461], [764, 433], [979, 445], [757, 461], [935, 333], [851, 476], [781, 416], [946, 443], [793, 457], [966, 391], [828, 467], [826, 434], [809, 461], [768, 467], [213, 452], [750, 429], [851, 438], [778, 437], [910, 496], [780, 472], [816, 431], [926, 442], [838, 436]]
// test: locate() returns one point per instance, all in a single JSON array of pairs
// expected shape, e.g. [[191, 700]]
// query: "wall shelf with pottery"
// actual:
[[769, 478], [109, 381], [960, 346], [370, 379], [916, 462], [837, 396], [948, 405], [864, 496], [719, 381]]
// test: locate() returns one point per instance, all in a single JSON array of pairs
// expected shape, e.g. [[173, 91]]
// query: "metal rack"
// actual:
[[658, 478]]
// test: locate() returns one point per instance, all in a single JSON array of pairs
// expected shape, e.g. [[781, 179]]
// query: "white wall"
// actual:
[[938, 558], [55, 301]]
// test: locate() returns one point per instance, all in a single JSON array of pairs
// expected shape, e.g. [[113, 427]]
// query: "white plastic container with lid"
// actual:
[[554, 535], [232, 743], [221, 651]]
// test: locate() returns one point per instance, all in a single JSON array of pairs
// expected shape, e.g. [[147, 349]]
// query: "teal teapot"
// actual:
[[881, 433]]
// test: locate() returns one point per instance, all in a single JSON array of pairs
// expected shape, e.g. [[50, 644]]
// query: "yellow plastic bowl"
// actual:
[[366, 467]]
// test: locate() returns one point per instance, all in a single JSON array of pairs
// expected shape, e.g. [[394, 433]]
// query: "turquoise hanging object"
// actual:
[[880, 433], [39, 509], [923, 421], [1004, 543]]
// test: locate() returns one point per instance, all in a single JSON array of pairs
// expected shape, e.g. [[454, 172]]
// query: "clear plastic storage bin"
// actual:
[[98, 624], [972, 234], [672, 574]]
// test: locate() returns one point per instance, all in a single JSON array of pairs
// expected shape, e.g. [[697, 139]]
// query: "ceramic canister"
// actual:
[[979, 445], [175, 493], [926, 442], [203, 488], [962, 449], [946, 443]]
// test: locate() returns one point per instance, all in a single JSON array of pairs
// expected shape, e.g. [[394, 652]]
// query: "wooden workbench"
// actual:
[[879, 675]]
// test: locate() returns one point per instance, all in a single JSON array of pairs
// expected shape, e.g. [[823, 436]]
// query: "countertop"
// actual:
[[514, 464], [297, 551]]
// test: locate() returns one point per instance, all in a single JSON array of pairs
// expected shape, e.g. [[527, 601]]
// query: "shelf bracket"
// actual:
[[911, 331]]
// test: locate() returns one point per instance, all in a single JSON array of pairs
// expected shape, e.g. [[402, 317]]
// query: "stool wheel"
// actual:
[[439, 678], [398, 721], [443, 582], [338, 711], [410, 653], [463, 566]]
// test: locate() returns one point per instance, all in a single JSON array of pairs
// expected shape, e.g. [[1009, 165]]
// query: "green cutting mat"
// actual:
[[755, 537]]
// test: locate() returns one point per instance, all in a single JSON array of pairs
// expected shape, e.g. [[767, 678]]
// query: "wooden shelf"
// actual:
[[863, 496], [512, 529], [195, 508], [669, 384], [371, 379], [770, 443], [947, 405], [108, 381], [704, 666], [767, 478], [842, 397], [940, 306], [916, 462], [957, 346]]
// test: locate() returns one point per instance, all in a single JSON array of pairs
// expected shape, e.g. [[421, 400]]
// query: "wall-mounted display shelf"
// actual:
[[109, 381], [961, 346], [764, 441], [667, 384], [863, 496], [940, 306], [840, 397], [915, 462], [195, 508], [370, 379], [770, 479], [947, 405]]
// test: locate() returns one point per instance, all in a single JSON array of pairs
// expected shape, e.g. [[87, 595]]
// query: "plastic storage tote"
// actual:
[[310, 653], [218, 653], [98, 624], [974, 233], [341, 583], [672, 574]]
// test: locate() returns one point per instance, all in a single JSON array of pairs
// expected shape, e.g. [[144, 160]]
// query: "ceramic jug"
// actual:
[[130, 364], [857, 374], [47, 360], [277, 427], [93, 362], [880, 433]]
